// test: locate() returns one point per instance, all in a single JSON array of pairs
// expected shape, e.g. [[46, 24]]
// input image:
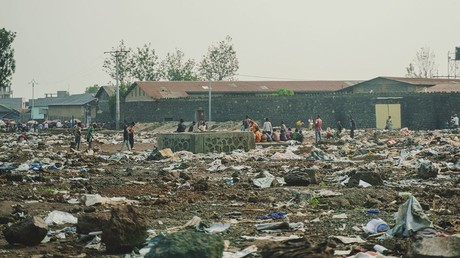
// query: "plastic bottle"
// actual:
[[371, 211], [381, 249]]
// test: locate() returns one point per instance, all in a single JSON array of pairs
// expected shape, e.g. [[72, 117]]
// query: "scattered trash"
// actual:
[[349, 240], [376, 226], [410, 218], [60, 217]]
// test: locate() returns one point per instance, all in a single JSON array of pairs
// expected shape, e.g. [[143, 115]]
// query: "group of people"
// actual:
[[128, 136], [267, 133], [201, 127], [77, 132]]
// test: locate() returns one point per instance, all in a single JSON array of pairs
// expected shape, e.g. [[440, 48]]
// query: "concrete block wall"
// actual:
[[418, 110]]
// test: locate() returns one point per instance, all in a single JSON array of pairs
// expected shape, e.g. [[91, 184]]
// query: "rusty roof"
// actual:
[[423, 81], [168, 89], [444, 87]]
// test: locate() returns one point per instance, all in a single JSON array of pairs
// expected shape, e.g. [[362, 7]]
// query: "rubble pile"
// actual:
[[383, 193]]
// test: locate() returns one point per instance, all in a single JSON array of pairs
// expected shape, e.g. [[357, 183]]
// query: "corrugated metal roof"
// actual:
[[423, 81], [444, 87], [167, 89], [74, 100]]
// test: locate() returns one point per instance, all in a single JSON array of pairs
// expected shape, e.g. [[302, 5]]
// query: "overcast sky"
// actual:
[[61, 43]]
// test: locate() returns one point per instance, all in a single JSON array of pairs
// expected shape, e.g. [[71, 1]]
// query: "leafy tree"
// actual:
[[423, 66], [220, 62], [284, 92], [124, 64], [7, 62], [145, 64], [175, 68], [92, 89]]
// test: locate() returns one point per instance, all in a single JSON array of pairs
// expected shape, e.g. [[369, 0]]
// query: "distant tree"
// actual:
[[176, 68], [124, 64], [284, 92], [92, 89], [7, 62], [423, 65], [220, 62], [145, 65]]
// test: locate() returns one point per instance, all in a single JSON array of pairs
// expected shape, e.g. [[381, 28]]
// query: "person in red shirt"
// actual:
[[318, 128]]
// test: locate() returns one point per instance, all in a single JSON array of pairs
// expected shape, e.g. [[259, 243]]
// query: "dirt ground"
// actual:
[[157, 186]]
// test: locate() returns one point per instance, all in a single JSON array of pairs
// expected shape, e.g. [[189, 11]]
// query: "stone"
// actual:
[[303, 177], [91, 222], [438, 247], [372, 178], [427, 169], [188, 244], [30, 231], [125, 230]]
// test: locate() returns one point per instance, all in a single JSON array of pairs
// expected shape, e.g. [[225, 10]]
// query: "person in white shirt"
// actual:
[[267, 127], [454, 121]]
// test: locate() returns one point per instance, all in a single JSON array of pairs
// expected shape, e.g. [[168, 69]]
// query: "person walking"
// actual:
[[318, 128], [125, 138], [352, 127]]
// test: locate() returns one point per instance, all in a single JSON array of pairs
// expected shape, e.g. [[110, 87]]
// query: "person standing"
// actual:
[[389, 124], [454, 121], [267, 127], [352, 127], [318, 128], [246, 123], [89, 136], [77, 134], [339, 128], [131, 131], [125, 138]]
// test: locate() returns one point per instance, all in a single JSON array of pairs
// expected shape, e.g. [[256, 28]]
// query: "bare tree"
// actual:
[[423, 65]]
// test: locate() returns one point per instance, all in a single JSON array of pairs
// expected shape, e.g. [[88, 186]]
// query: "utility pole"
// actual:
[[33, 82], [209, 87], [117, 105]]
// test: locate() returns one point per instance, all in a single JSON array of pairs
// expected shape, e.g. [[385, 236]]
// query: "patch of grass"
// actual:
[[314, 201]]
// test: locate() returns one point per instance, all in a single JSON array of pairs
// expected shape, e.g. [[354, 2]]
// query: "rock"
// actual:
[[427, 169], [438, 247], [372, 178], [92, 222], [303, 177], [188, 244], [30, 232], [125, 230]]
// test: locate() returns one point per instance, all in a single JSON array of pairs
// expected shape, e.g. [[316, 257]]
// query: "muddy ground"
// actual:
[[170, 192]]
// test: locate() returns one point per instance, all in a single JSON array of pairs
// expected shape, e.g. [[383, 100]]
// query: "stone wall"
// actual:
[[205, 142], [418, 110]]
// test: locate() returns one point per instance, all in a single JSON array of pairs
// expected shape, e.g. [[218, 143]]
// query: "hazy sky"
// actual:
[[61, 43]]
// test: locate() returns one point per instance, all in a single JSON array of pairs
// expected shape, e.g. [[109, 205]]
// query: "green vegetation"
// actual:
[[284, 92]]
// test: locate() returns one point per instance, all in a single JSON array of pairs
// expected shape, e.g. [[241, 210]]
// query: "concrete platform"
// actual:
[[204, 142]]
